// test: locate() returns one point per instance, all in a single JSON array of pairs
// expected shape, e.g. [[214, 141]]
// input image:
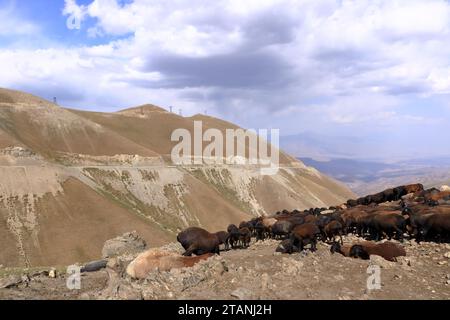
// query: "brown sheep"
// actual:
[[282, 228], [388, 250], [261, 231], [388, 223], [198, 241], [310, 219], [350, 218], [413, 188], [440, 195], [438, 225], [305, 234], [233, 236], [332, 230], [245, 236], [343, 249], [223, 238]]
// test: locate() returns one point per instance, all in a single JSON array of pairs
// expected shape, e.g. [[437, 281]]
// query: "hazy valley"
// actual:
[[366, 177]]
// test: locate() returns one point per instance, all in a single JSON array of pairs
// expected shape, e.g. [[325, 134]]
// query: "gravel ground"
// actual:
[[254, 273]]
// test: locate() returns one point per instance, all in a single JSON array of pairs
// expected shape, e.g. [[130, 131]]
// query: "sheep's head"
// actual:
[[358, 251]]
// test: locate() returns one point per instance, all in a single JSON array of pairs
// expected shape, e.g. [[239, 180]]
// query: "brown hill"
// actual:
[[71, 179], [14, 96]]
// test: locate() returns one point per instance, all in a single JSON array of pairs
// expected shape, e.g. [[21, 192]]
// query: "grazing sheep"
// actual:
[[311, 219], [223, 239], [233, 236], [261, 231], [432, 226], [245, 237], [332, 230], [282, 228], [425, 223], [388, 224], [246, 224], [305, 234]]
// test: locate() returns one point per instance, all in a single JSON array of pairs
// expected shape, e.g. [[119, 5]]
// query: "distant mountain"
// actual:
[[374, 148], [70, 180], [348, 170], [322, 146], [366, 177]]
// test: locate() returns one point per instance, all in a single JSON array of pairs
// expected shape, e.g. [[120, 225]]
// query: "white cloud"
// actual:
[[11, 24], [250, 60]]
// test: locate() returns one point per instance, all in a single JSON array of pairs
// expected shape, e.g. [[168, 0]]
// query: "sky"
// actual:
[[370, 78]]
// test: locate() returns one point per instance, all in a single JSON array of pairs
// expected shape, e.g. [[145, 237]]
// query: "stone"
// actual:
[[127, 243], [94, 266], [10, 282], [447, 255], [52, 273], [242, 294], [441, 263]]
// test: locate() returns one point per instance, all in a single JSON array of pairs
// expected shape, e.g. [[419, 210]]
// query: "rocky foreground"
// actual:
[[254, 273]]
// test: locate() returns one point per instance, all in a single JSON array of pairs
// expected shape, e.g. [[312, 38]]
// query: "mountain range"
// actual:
[[71, 179]]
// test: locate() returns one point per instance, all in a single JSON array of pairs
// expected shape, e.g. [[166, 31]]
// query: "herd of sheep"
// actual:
[[406, 211]]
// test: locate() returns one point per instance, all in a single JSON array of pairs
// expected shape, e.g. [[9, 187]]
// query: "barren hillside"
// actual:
[[70, 180]]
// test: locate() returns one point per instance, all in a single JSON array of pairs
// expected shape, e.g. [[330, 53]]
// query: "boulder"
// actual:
[[52, 273], [94, 266], [10, 281], [127, 243]]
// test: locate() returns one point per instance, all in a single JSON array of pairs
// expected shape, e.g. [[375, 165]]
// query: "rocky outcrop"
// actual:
[[127, 243]]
